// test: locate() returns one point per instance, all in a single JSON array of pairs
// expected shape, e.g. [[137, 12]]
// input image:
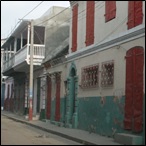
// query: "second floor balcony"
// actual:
[[16, 54], [23, 56]]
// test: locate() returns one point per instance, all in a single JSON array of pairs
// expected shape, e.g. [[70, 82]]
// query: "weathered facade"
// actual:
[[17, 58], [102, 84], [94, 71], [107, 55]]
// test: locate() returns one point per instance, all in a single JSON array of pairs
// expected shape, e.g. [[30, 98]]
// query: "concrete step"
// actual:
[[128, 139]]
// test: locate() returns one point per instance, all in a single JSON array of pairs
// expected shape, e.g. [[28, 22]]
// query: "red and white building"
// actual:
[[106, 67]]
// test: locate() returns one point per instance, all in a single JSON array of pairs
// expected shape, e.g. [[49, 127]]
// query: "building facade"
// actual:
[[105, 67], [2, 77], [17, 58], [92, 76], [101, 84]]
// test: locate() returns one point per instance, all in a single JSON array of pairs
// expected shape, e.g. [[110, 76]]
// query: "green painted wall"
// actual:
[[101, 115], [62, 110], [43, 114], [53, 102]]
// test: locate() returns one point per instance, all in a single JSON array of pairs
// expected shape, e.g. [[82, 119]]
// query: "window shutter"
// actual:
[[90, 22], [74, 28], [110, 10], [130, 14], [138, 13], [135, 15]]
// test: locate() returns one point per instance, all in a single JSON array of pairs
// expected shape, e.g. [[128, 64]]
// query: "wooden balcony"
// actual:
[[23, 56]]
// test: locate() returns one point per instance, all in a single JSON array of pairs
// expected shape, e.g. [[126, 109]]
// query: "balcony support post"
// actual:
[[7, 54], [21, 40], [15, 45], [28, 39], [31, 74], [10, 51]]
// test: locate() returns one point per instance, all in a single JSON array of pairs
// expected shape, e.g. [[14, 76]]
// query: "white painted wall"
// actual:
[[103, 30], [116, 53], [63, 69]]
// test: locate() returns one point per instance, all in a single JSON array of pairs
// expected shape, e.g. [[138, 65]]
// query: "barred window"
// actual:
[[107, 74], [90, 76]]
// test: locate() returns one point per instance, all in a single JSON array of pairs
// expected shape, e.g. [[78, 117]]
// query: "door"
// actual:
[[134, 89], [57, 109], [72, 95], [49, 87], [38, 94]]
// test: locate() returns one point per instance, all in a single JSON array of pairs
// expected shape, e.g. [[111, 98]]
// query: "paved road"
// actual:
[[15, 133]]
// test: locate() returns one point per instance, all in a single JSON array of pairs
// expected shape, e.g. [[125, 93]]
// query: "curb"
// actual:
[[84, 142]]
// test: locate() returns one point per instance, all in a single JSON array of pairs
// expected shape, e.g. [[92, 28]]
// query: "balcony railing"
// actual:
[[24, 55], [9, 63], [38, 54]]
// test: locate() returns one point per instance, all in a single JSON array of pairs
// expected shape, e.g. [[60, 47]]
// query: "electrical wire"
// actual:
[[81, 19], [24, 17]]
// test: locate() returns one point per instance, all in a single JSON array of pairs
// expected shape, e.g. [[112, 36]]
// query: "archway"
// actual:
[[71, 119]]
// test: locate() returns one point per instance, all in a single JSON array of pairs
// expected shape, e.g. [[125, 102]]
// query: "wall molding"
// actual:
[[108, 43]]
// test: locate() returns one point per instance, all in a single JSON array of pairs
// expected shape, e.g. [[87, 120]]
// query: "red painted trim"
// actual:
[[57, 109], [135, 14], [74, 27], [49, 87], [110, 10], [134, 89], [90, 23]]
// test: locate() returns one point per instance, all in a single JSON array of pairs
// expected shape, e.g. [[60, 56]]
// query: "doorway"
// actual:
[[134, 89]]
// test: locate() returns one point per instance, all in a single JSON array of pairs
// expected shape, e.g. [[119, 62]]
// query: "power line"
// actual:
[[32, 9], [82, 17], [96, 7], [52, 16], [24, 17]]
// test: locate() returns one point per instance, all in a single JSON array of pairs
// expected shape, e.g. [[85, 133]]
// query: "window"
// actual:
[[90, 23], [90, 76], [110, 10], [74, 27], [107, 74], [135, 15]]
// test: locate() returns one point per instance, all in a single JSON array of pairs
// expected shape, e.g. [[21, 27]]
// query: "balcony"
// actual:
[[24, 55], [16, 49], [21, 59]]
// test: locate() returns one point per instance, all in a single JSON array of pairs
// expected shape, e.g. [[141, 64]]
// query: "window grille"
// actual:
[[90, 76], [107, 74]]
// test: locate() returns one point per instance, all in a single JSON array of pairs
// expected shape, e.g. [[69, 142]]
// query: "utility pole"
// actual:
[[31, 74]]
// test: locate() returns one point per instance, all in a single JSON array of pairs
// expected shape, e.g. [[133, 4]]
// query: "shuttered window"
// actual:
[[90, 22], [74, 27], [135, 15], [110, 10]]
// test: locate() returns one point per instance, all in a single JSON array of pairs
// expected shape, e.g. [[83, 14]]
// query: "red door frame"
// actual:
[[57, 109], [49, 87], [134, 89]]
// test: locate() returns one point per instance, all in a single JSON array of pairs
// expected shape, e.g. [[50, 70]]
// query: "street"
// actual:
[[15, 133]]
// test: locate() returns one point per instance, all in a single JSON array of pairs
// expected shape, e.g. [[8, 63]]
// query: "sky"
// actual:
[[12, 11]]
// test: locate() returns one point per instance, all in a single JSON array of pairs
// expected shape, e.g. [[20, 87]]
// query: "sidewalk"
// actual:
[[77, 135]]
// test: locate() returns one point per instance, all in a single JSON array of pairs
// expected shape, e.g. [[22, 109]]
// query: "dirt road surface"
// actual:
[[15, 133]]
